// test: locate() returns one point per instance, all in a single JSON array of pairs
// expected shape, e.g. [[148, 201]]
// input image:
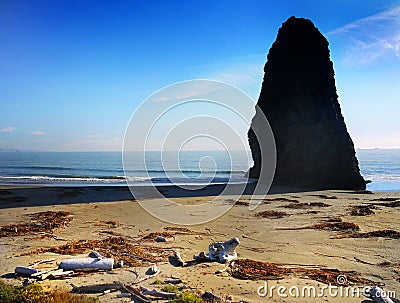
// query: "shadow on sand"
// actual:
[[11, 197]]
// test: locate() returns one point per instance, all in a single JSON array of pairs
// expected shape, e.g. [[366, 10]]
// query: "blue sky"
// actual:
[[73, 72]]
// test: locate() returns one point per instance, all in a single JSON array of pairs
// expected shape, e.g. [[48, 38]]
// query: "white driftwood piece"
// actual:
[[87, 263], [158, 294], [178, 258], [220, 251], [152, 272], [25, 271], [378, 295]]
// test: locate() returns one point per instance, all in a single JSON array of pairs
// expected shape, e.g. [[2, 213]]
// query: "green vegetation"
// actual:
[[34, 293], [187, 297], [170, 288], [182, 297], [157, 282]]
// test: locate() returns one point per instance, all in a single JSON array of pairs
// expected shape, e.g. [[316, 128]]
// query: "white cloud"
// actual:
[[370, 38], [7, 129], [37, 132]]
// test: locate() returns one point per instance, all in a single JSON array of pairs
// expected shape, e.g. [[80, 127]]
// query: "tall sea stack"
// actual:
[[298, 97]]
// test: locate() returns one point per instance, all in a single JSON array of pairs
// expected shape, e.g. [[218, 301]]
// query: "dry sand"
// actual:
[[99, 211]]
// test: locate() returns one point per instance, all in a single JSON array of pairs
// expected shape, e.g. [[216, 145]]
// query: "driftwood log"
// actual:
[[135, 294], [87, 263], [25, 271], [158, 294], [219, 251]]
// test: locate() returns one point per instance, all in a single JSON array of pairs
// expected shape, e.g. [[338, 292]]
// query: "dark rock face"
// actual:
[[298, 97]]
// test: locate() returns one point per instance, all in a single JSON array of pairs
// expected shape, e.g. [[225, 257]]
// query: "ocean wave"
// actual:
[[115, 180], [59, 180], [382, 177]]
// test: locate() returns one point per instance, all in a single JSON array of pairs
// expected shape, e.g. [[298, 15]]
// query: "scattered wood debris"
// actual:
[[47, 222], [305, 205], [361, 210], [136, 294], [256, 270], [119, 248], [157, 293], [386, 233], [96, 288], [272, 214]]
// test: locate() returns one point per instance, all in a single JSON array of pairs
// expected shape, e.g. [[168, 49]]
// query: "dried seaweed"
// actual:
[[305, 205], [151, 236], [47, 222], [247, 269], [334, 219], [176, 228], [385, 233], [325, 197], [333, 226], [242, 203], [360, 192], [388, 204], [170, 232], [256, 270], [386, 199], [272, 214], [361, 210], [282, 200], [119, 248]]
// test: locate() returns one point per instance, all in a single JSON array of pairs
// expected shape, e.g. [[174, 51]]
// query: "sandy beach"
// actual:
[[275, 232], [298, 231]]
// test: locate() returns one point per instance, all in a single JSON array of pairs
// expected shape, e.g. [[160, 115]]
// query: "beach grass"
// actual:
[[34, 293]]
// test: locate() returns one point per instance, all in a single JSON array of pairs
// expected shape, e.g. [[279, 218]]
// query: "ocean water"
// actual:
[[380, 166], [105, 168]]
